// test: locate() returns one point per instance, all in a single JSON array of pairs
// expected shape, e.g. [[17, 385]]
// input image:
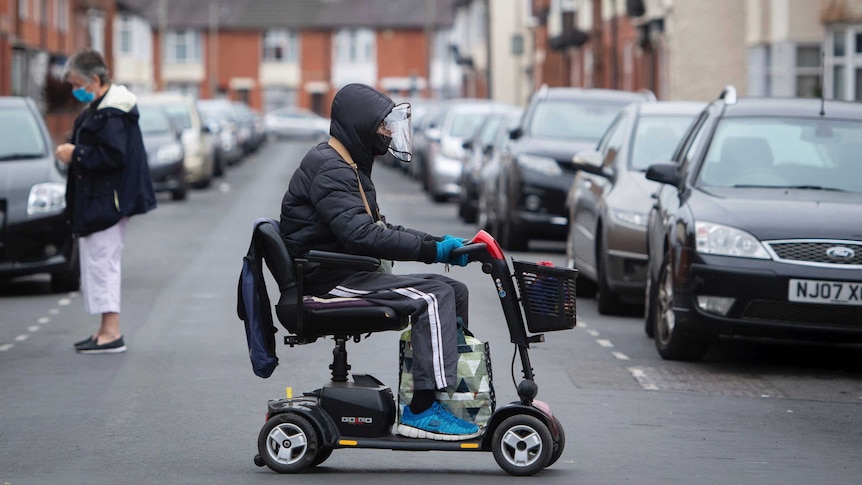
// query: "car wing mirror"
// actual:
[[467, 145], [664, 173], [589, 161], [433, 134], [516, 133]]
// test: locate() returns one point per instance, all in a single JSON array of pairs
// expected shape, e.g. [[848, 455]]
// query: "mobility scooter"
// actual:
[[301, 432]]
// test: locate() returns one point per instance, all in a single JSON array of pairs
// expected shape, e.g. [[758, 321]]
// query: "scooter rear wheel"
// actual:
[[522, 445], [288, 443]]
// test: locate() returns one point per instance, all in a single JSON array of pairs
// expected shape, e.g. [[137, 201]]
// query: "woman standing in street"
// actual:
[[108, 181]]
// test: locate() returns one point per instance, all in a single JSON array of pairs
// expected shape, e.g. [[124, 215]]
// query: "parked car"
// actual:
[[489, 174], [537, 172], [294, 122], [446, 145], [198, 144], [610, 198], [219, 117], [756, 228], [34, 235], [164, 151], [477, 147], [426, 123], [251, 126]]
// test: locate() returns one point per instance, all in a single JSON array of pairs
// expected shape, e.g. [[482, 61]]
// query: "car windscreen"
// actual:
[[153, 120], [655, 139], [784, 152], [20, 135], [579, 120], [179, 113], [465, 124]]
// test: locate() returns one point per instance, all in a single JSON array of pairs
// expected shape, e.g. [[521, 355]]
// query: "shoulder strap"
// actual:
[[342, 150]]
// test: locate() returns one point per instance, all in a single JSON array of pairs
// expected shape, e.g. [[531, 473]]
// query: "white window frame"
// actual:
[[190, 39], [355, 45], [805, 70], [23, 9], [285, 40], [126, 35]]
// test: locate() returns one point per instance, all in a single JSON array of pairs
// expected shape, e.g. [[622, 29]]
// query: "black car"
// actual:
[[34, 236], [164, 151], [536, 174], [757, 228]]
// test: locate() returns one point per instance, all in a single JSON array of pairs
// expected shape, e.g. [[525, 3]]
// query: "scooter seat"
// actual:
[[310, 317]]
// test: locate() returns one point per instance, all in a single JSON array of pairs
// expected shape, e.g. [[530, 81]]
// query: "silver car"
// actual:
[[446, 145], [611, 197]]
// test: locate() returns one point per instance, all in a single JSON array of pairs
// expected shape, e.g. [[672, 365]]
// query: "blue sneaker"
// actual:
[[436, 423]]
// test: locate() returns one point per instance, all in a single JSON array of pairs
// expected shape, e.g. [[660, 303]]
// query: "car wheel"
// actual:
[[181, 192], [584, 287], [70, 280], [522, 445], [510, 238], [671, 341], [608, 301], [649, 300], [482, 215], [288, 443]]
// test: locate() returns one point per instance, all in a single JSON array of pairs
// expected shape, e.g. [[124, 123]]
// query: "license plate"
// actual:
[[826, 292]]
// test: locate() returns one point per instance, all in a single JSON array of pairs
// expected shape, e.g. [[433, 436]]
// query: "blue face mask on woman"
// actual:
[[82, 95]]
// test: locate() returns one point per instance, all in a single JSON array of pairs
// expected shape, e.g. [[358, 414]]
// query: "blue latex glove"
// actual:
[[445, 247], [449, 236]]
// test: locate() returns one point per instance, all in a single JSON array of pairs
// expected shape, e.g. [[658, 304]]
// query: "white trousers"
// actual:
[[101, 254]]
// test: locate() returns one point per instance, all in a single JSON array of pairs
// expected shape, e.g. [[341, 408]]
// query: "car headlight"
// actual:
[[727, 241], [47, 197], [452, 148], [544, 165], [632, 218], [169, 153]]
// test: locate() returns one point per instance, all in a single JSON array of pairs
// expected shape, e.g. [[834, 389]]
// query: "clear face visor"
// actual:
[[397, 125]]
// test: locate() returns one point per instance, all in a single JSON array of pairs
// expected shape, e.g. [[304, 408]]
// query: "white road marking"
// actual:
[[64, 302], [21, 337], [620, 355], [642, 379], [605, 343], [33, 328], [43, 320], [5, 347], [592, 333], [54, 311]]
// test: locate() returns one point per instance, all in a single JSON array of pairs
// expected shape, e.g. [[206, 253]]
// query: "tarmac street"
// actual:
[[183, 406]]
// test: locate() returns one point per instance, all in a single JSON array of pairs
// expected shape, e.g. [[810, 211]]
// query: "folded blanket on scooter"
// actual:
[[472, 398]]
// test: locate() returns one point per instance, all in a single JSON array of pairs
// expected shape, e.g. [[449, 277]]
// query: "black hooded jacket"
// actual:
[[323, 208]]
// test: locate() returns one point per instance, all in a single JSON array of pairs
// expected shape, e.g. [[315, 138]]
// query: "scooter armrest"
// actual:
[[330, 259]]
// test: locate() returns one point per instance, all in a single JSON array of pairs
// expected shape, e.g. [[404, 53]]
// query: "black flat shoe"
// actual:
[[84, 342], [93, 347]]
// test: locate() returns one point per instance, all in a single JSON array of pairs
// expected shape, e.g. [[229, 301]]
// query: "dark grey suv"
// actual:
[[537, 172], [34, 237]]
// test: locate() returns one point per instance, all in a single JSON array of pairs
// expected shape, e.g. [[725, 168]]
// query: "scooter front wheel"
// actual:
[[288, 443], [522, 445]]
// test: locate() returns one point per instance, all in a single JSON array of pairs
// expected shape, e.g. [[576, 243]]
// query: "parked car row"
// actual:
[[735, 218], [187, 145]]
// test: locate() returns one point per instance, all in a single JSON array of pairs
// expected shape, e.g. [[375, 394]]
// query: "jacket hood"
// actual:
[[118, 97], [357, 111]]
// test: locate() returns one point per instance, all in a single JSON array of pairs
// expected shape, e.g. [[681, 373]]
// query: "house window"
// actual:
[[808, 71], [125, 35], [23, 9], [183, 47], [280, 46], [355, 45]]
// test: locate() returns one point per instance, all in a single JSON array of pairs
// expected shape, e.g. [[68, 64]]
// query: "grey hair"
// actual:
[[87, 63]]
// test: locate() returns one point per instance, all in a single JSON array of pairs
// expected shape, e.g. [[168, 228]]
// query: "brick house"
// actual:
[[272, 53]]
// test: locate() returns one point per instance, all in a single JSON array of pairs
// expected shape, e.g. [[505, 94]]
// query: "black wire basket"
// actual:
[[547, 296]]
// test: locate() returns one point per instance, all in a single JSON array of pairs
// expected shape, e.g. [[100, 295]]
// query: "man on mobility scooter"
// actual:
[[331, 205]]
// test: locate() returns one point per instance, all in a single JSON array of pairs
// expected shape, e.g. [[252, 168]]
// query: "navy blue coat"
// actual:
[[323, 209], [109, 177]]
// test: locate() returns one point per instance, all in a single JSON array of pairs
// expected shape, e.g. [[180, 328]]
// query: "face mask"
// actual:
[[381, 144], [397, 123], [82, 95]]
